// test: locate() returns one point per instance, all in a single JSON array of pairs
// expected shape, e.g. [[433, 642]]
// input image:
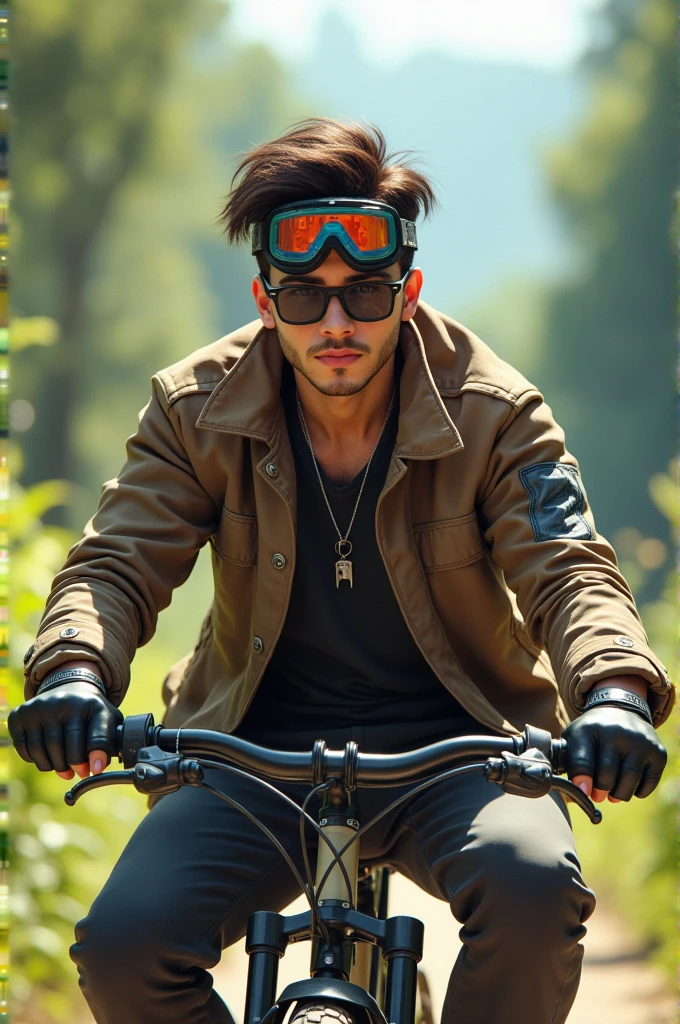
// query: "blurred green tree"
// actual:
[[51, 857], [608, 358], [126, 117], [87, 79], [600, 340], [165, 282], [59, 858]]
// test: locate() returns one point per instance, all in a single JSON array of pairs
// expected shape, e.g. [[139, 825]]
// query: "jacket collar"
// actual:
[[248, 400]]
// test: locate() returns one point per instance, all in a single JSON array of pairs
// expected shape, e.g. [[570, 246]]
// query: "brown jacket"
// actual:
[[484, 529]]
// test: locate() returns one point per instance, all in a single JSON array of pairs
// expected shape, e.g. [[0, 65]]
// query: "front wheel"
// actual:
[[326, 1013]]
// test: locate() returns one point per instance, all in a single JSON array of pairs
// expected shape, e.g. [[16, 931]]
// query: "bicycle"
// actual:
[[364, 965]]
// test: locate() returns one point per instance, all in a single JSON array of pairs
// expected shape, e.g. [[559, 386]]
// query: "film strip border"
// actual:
[[4, 501]]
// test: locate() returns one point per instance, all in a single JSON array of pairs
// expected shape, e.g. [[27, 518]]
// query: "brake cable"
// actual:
[[308, 887], [300, 810], [450, 773], [263, 828], [305, 857]]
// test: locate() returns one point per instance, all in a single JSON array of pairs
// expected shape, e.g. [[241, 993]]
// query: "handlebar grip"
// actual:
[[135, 733], [540, 739], [558, 758]]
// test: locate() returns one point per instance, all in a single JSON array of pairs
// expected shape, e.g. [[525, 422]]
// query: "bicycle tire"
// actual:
[[327, 1013]]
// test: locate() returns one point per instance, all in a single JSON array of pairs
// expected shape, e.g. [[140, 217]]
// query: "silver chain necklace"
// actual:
[[343, 547]]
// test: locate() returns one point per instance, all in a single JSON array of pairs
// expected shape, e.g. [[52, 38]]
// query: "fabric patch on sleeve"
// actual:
[[556, 502]]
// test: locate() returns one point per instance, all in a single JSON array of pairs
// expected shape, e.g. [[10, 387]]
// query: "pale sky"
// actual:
[[546, 33]]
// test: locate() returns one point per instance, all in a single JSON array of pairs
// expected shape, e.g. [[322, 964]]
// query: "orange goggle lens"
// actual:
[[369, 233]]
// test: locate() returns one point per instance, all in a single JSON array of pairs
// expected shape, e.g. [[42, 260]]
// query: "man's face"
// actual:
[[338, 355]]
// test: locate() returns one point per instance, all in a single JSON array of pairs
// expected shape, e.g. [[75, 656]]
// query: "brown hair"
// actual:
[[317, 158]]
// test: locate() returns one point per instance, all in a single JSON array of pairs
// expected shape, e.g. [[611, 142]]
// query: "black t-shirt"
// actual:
[[345, 656]]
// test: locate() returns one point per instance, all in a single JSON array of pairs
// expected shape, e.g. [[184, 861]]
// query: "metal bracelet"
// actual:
[[615, 696], [71, 675]]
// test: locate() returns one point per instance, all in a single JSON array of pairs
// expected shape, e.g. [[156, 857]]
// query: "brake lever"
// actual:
[[156, 773], [579, 797], [126, 778], [530, 775]]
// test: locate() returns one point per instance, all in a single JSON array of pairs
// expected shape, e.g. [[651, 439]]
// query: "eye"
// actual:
[[367, 288], [302, 291]]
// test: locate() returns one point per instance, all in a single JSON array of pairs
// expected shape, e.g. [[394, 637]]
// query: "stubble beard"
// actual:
[[338, 386]]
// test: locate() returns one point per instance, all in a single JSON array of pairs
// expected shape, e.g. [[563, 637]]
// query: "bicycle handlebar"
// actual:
[[356, 768], [159, 761]]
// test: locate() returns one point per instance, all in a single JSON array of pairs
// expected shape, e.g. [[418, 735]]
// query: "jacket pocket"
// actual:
[[236, 538], [449, 543]]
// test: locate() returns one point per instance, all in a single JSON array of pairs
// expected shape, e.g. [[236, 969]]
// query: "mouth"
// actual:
[[340, 357]]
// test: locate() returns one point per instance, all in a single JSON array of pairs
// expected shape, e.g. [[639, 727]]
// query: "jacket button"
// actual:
[[278, 561], [272, 469], [258, 646], [29, 654], [67, 633], [623, 641]]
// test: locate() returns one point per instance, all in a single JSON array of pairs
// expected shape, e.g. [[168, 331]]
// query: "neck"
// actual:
[[337, 421]]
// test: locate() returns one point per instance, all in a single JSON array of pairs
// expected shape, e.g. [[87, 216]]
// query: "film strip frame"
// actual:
[[4, 500]]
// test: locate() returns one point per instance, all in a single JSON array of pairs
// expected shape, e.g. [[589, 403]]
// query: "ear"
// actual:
[[264, 305], [412, 289]]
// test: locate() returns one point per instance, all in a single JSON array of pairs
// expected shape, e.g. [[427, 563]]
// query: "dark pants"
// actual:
[[195, 869]]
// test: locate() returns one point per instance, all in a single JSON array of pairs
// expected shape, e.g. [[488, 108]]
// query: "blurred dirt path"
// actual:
[[617, 986]]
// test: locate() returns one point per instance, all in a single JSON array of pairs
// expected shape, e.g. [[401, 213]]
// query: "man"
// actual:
[[402, 552]]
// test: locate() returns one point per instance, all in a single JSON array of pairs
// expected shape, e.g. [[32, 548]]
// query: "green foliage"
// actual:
[[609, 352], [124, 144], [88, 83], [33, 330], [600, 340], [60, 857], [631, 858]]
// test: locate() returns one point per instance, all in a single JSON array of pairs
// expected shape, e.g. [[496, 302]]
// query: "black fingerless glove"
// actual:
[[618, 749], [62, 724]]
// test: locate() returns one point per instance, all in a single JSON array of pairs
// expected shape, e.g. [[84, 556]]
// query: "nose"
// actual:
[[336, 323]]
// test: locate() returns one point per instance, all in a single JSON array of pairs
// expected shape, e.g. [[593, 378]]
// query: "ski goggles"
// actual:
[[369, 235]]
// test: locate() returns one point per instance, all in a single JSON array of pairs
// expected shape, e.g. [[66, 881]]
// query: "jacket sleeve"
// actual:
[[541, 533], [142, 543]]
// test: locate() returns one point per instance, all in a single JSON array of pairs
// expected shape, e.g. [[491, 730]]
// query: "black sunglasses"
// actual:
[[366, 301]]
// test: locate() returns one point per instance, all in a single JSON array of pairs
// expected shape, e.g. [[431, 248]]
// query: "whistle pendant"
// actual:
[[343, 571]]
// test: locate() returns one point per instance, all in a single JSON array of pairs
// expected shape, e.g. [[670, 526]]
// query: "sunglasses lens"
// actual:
[[303, 305], [369, 301]]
